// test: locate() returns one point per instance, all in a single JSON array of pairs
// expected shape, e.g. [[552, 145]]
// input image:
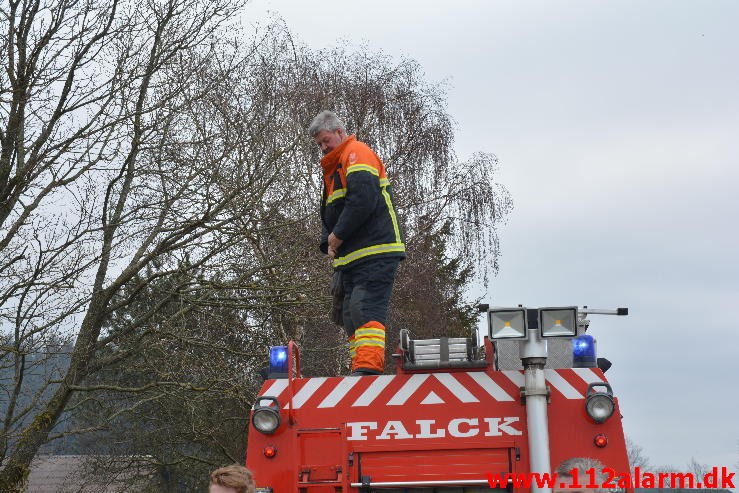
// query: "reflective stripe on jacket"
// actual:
[[357, 205]]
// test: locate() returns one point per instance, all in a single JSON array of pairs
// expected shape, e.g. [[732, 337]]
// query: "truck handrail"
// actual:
[[293, 353]]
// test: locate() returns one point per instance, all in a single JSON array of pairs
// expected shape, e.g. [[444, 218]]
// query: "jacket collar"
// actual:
[[330, 161]]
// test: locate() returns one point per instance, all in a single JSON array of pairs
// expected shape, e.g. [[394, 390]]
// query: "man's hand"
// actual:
[[334, 242]]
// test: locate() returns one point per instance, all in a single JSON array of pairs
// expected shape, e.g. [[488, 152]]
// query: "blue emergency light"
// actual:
[[278, 362], [583, 352]]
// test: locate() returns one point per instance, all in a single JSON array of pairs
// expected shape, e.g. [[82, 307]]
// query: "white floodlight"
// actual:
[[507, 323], [558, 322]]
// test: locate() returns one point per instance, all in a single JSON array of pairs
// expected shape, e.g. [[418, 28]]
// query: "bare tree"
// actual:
[[103, 171], [158, 215], [637, 457], [390, 105], [283, 294], [697, 469]]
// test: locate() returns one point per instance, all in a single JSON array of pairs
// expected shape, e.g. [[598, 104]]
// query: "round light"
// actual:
[[599, 406], [270, 451], [600, 440], [265, 420]]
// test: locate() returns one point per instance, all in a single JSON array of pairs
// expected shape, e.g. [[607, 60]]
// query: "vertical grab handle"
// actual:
[[293, 372]]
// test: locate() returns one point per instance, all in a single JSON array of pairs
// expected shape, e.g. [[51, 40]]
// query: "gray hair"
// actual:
[[583, 464], [325, 120]]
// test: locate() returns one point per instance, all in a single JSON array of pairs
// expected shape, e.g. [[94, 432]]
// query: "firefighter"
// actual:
[[361, 235]]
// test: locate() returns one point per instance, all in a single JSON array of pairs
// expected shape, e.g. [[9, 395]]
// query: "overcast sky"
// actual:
[[616, 125]]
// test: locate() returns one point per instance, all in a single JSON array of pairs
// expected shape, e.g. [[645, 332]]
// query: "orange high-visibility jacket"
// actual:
[[357, 205]]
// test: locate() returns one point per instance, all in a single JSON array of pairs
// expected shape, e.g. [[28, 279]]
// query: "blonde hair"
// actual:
[[234, 476]]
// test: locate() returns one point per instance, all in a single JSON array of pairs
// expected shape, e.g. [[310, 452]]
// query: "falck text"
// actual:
[[429, 428]]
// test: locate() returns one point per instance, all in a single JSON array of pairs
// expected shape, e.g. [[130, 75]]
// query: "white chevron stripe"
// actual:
[[432, 398], [307, 391], [339, 392], [489, 385], [276, 388], [587, 374], [456, 388], [373, 390], [407, 390], [412, 384], [559, 383], [516, 377]]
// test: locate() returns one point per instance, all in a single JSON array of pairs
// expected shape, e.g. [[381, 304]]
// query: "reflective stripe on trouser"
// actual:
[[369, 340]]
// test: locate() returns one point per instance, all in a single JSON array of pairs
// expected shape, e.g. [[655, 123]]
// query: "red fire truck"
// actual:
[[453, 416]]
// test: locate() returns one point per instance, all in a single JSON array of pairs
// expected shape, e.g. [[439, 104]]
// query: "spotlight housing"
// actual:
[[558, 321], [266, 418], [507, 323], [599, 405]]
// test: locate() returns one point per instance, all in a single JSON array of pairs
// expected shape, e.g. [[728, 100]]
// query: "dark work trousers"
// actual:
[[367, 290]]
